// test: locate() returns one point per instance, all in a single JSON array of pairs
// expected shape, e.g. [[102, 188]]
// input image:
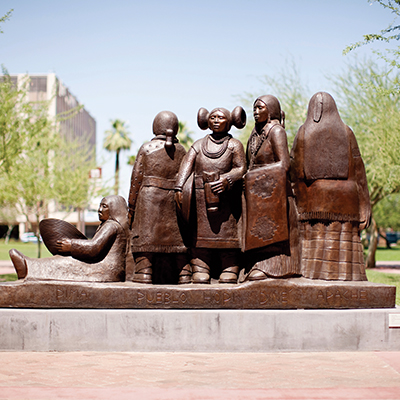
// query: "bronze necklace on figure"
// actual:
[[256, 142], [217, 154]]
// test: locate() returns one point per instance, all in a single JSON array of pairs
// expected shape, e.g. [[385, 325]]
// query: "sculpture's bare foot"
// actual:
[[18, 259], [256, 275], [229, 275]]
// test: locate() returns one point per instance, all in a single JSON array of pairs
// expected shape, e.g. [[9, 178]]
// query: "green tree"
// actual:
[[117, 139], [387, 215], [5, 17], [292, 94], [73, 173], [387, 35], [131, 159], [387, 212], [375, 121], [9, 216], [13, 126], [37, 164], [185, 135]]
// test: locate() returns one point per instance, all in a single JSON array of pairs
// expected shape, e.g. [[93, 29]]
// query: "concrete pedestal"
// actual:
[[199, 330]]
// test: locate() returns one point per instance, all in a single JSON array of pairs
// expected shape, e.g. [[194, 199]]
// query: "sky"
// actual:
[[131, 59]]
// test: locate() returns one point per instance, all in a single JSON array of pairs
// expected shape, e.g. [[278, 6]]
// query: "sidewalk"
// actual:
[[179, 376], [390, 267], [6, 267]]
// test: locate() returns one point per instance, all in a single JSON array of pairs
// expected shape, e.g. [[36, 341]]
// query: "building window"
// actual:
[[38, 84]]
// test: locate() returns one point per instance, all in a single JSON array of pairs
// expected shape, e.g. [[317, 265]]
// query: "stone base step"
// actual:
[[199, 330]]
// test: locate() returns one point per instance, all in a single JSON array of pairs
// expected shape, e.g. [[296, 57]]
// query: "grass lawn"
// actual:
[[28, 249], [388, 279], [8, 277], [384, 254]]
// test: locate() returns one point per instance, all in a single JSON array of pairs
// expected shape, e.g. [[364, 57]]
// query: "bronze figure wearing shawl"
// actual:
[[331, 193], [270, 236]]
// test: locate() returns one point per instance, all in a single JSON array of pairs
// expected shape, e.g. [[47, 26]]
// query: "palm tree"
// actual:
[[117, 139]]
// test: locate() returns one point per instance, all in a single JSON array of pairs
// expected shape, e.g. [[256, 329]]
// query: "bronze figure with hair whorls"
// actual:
[[101, 259], [270, 239], [331, 193], [213, 170], [152, 208]]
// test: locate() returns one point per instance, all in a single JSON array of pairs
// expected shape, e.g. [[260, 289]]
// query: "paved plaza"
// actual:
[[199, 376], [98, 375]]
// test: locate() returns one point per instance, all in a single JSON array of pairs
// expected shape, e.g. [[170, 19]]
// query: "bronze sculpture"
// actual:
[[152, 208], [331, 193], [213, 170], [270, 235], [101, 259]]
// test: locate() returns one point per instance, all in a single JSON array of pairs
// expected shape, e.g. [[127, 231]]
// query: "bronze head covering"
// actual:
[[273, 105], [237, 117], [326, 141], [118, 211], [166, 124]]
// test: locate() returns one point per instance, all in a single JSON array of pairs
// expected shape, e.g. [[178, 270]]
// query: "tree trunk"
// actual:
[[81, 221], [37, 233], [381, 233], [116, 183], [373, 245], [38, 249], [364, 238], [8, 234]]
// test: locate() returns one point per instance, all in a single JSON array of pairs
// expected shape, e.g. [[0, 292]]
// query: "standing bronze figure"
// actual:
[[331, 194], [270, 237], [215, 164], [152, 208], [101, 259]]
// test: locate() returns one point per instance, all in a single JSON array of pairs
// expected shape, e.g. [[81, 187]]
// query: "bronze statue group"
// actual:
[[218, 214]]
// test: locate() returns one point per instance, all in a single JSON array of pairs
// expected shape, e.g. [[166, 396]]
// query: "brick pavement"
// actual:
[[200, 376], [96, 375]]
